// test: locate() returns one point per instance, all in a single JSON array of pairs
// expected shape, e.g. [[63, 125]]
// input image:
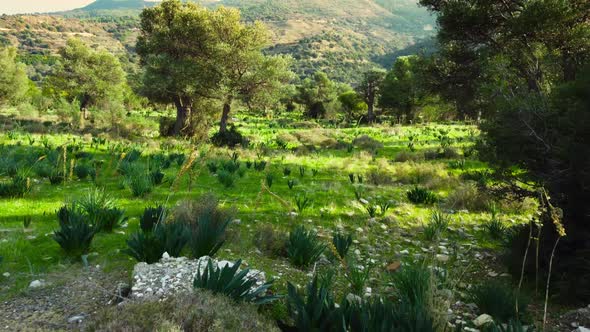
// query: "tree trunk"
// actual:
[[225, 115], [182, 117], [370, 112]]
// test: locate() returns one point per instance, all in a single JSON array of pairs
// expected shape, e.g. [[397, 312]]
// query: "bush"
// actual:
[[233, 283], [357, 276], [18, 186], [75, 233], [270, 241], [421, 196], [152, 216], [157, 177], [342, 244], [303, 247], [150, 246], [226, 178], [83, 171], [207, 224], [269, 178], [412, 285], [467, 196], [302, 202], [109, 219], [230, 138], [498, 300], [438, 225], [316, 310], [145, 247], [139, 182], [194, 312]]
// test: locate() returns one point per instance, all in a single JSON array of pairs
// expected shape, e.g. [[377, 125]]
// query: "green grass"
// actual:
[[334, 203]]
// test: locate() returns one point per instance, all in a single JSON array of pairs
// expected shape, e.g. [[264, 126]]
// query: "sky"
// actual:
[[34, 6]]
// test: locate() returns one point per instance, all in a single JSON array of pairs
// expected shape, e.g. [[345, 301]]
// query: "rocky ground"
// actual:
[[61, 301]]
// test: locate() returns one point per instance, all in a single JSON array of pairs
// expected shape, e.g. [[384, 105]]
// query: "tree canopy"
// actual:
[[93, 78], [13, 77], [189, 52]]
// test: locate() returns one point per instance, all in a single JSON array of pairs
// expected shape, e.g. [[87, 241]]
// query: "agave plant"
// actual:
[[357, 275], [351, 178], [208, 235], [75, 233], [231, 282], [438, 224], [371, 210], [286, 171], [291, 183], [302, 202], [316, 310], [303, 247], [152, 216], [421, 196], [342, 243], [269, 179]]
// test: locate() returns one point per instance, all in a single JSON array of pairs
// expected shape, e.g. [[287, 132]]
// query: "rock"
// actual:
[[6, 275], [37, 284], [442, 258], [581, 329], [176, 275], [352, 298], [404, 252], [482, 320], [394, 266], [364, 201], [76, 319], [165, 255]]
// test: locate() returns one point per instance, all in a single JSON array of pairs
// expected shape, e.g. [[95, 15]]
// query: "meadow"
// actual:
[[346, 181]]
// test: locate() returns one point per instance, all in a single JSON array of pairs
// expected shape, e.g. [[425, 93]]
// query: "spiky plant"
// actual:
[[233, 283], [291, 183], [371, 210], [302, 202], [269, 178], [303, 247], [286, 171], [316, 310], [75, 234], [208, 233], [342, 243], [152, 216], [420, 195]]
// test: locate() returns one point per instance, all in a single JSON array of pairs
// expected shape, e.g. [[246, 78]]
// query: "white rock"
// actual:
[[6, 274], [37, 284], [165, 255], [75, 319], [364, 201], [581, 329], [442, 258], [482, 320]]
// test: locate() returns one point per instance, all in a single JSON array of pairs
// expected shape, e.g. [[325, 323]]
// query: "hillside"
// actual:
[[354, 34]]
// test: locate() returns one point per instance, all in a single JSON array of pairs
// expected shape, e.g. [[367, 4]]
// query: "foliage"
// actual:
[[152, 216], [437, 226], [420, 195], [271, 241], [197, 311], [357, 275], [316, 310], [207, 224], [342, 243], [499, 300], [227, 179], [303, 247], [151, 245], [231, 282], [13, 78], [75, 234], [230, 138], [302, 202]]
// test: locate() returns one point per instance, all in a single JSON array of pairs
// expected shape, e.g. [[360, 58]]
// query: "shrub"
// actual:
[[269, 178], [150, 246], [303, 247], [498, 300], [94, 202], [439, 223], [371, 210], [302, 202], [75, 233], [291, 183], [226, 178], [56, 177], [357, 275], [212, 167], [260, 165], [412, 285], [18, 186], [231, 166], [197, 311], [270, 241], [467, 196], [420, 195], [207, 224], [286, 171], [108, 219], [152, 216], [384, 205], [342, 243], [231, 138], [231, 282], [139, 183], [157, 177], [83, 171], [145, 247], [316, 310], [302, 171], [496, 229]]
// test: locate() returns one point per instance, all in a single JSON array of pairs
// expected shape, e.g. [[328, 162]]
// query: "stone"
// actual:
[[76, 319], [37, 284], [394, 266], [482, 320], [442, 258], [6, 274], [352, 298], [581, 329]]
